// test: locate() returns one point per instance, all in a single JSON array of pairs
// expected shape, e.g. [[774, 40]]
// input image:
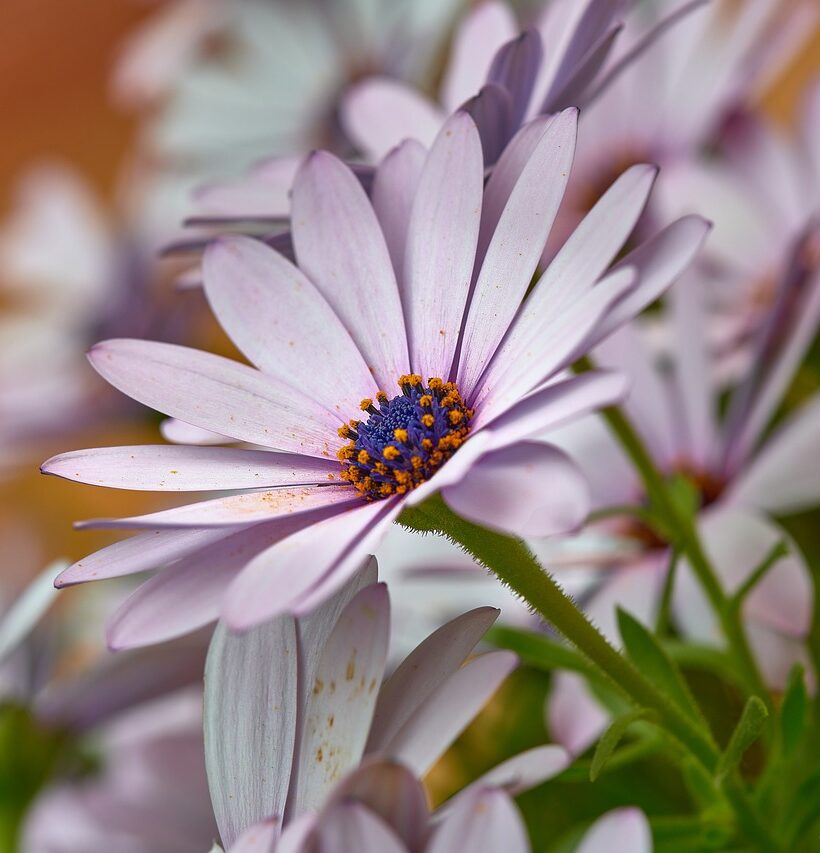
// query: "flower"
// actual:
[[502, 76], [295, 705], [669, 106], [736, 478], [394, 362], [238, 81]]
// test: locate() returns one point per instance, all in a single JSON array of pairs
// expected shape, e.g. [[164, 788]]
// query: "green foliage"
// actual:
[[612, 737], [748, 730]]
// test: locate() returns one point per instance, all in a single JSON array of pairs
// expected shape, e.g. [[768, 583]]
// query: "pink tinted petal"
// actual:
[[188, 469], [424, 670], [784, 476], [298, 835], [658, 263], [620, 831], [341, 248], [573, 88], [217, 394], [276, 580], [575, 719], [343, 695], [650, 402], [394, 188], [178, 432], [737, 541], [486, 27], [521, 772], [594, 243], [441, 245], [523, 363], [504, 177], [439, 720], [144, 551], [250, 713], [264, 193], [777, 653], [490, 109], [389, 791], [281, 322], [351, 826], [242, 509], [516, 247], [379, 112], [259, 838], [486, 821], [525, 489], [555, 404], [515, 68], [188, 594]]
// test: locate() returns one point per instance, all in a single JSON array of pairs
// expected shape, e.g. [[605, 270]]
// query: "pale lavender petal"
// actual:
[[263, 193], [575, 719], [737, 541], [283, 324], [217, 394], [144, 551], [394, 188], [486, 821], [341, 248], [515, 68], [342, 698], [784, 476], [555, 405], [242, 509], [250, 722], [485, 28], [620, 831], [516, 247], [575, 85], [424, 670], [491, 110], [437, 723], [350, 826], [525, 489], [189, 469], [259, 838], [441, 245], [178, 432], [298, 835], [380, 112], [281, 578], [391, 792], [519, 773], [658, 262], [120, 682], [188, 594], [526, 360]]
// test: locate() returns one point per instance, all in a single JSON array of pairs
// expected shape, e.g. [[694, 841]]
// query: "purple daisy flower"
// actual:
[[398, 359]]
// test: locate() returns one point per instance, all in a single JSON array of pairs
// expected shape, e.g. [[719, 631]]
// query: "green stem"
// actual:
[[514, 564], [690, 545]]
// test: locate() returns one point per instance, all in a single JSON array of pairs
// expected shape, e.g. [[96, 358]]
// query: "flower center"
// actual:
[[404, 440]]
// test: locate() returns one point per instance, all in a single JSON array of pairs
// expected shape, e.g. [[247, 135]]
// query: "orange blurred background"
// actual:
[[55, 62]]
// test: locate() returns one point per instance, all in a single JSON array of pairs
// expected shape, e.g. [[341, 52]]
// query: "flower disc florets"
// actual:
[[406, 439]]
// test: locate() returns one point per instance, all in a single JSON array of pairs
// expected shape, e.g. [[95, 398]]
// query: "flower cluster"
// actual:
[[515, 314]]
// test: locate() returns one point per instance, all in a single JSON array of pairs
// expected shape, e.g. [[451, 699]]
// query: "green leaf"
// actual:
[[655, 664], [747, 731], [793, 710], [612, 737], [700, 784], [540, 651]]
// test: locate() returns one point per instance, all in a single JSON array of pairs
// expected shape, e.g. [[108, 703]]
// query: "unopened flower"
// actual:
[[396, 361]]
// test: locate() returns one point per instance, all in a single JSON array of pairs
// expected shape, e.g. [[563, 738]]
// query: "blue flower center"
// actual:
[[404, 440]]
